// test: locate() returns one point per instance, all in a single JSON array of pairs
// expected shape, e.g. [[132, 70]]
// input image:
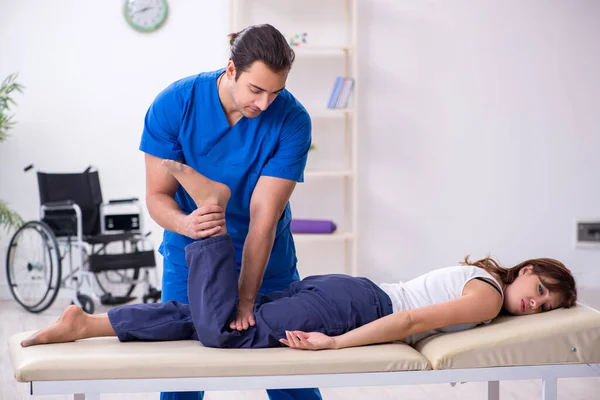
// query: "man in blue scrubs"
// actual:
[[241, 127]]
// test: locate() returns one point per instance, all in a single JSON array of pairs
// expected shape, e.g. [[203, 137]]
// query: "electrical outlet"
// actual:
[[587, 233]]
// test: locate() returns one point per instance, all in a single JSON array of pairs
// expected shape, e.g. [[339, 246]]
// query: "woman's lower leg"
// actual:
[[73, 324]]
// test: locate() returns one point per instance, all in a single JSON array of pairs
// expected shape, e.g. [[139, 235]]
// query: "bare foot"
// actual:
[[69, 327], [202, 190]]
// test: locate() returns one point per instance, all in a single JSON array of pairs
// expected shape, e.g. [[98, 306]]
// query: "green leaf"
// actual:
[[7, 87], [9, 219]]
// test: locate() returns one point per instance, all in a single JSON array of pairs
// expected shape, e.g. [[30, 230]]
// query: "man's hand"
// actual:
[[308, 340], [245, 316], [203, 222]]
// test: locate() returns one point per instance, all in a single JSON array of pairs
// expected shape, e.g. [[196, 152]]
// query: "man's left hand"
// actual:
[[245, 316]]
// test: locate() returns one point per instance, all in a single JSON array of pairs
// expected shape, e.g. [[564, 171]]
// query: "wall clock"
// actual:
[[145, 15]]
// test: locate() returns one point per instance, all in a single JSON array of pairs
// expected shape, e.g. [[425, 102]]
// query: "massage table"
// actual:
[[559, 344]]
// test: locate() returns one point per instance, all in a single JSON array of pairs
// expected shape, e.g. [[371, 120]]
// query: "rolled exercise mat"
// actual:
[[313, 226]]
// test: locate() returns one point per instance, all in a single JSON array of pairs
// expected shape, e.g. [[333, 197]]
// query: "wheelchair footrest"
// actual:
[[110, 300], [111, 262], [153, 295]]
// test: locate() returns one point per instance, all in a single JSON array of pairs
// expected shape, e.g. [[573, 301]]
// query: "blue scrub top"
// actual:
[[186, 122]]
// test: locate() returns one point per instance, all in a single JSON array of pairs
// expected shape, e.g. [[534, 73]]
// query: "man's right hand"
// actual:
[[203, 222]]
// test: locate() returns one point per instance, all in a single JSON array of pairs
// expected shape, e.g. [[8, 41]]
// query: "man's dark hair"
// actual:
[[260, 43]]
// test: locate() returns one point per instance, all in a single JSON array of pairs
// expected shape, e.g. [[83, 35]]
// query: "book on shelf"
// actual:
[[341, 92]]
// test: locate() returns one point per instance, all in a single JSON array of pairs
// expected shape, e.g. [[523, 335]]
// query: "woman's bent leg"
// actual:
[[213, 290], [332, 304]]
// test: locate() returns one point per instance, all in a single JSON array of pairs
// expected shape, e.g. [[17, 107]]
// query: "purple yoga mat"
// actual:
[[313, 226]]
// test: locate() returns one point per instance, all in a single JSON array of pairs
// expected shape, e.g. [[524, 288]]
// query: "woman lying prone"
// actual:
[[324, 311]]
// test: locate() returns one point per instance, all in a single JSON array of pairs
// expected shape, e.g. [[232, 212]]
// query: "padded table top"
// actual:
[[557, 337], [561, 336], [106, 358]]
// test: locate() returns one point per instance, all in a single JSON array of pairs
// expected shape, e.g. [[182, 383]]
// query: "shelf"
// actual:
[[330, 112], [329, 53], [306, 237], [329, 173]]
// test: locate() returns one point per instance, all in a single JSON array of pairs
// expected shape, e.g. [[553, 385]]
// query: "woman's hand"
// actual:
[[308, 340]]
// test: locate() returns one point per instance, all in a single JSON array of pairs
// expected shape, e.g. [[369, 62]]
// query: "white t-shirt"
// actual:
[[435, 287]]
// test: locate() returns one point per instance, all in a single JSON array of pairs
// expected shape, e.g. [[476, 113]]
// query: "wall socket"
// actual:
[[587, 233]]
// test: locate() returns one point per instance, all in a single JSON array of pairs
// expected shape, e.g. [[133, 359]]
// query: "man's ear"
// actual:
[[230, 70]]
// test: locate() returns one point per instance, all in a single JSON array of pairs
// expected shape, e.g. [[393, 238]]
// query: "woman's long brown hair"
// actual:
[[553, 274]]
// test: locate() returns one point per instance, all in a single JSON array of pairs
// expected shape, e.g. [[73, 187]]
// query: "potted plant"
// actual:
[[9, 219]]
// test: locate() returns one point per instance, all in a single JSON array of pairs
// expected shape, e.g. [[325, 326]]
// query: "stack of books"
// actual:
[[340, 95]]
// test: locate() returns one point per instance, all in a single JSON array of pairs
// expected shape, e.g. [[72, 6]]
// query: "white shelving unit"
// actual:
[[347, 118]]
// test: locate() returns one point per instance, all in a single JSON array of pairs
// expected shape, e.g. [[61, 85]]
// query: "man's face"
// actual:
[[255, 88]]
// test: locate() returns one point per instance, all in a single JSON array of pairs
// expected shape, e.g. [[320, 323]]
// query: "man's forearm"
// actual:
[[165, 211], [256, 253]]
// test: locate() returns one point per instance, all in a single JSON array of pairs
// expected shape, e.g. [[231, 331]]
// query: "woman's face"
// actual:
[[527, 294]]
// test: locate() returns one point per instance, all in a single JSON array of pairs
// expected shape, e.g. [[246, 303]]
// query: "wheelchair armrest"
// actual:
[[130, 200], [61, 222], [62, 205]]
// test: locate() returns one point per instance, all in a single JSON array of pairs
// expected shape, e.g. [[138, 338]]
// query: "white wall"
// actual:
[[479, 123], [89, 79], [481, 132]]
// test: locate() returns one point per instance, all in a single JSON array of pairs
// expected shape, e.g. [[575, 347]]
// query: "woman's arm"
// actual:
[[479, 302]]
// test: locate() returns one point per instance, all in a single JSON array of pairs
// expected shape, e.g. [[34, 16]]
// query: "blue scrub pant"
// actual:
[[332, 304]]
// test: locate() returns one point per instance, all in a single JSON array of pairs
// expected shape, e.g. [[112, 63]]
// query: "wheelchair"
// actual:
[[103, 245]]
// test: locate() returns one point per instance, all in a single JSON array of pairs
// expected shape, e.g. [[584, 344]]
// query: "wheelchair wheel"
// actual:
[[87, 304], [33, 266], [119, 283]]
